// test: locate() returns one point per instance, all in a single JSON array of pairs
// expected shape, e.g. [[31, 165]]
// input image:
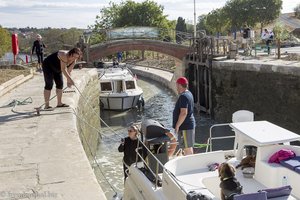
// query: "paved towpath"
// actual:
[[42, 156]]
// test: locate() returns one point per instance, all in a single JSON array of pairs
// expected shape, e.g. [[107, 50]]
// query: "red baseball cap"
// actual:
[[182, 81]]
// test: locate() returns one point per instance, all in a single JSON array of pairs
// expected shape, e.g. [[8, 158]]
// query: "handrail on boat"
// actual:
[[159, 164], [210, 139]]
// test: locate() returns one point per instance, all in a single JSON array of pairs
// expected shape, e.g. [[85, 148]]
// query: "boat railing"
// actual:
[[209, 146], [158, 165]]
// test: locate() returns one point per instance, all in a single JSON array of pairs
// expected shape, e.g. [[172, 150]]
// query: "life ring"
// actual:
[[173, 144]]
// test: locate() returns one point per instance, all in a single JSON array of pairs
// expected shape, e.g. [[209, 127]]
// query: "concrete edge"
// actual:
[[81, 83], [13, 83], [155, 77], [257, 67]]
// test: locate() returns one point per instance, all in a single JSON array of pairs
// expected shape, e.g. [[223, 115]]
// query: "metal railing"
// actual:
[[158, 164], [211, 138], [151, 33]]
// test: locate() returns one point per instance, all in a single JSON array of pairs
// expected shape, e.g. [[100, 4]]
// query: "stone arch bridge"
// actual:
[[101, 50]]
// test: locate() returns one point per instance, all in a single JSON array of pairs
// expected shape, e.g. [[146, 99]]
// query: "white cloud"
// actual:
[[79, 13], [47, 4]]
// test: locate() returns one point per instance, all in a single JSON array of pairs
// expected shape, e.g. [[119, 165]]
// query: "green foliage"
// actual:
[[265, 11], [297, 11], [202, 24], [181, 27], [54, 39], [5, 41], [280, 32], [216, 21], [237, 13], [130, 13], [107, 17]]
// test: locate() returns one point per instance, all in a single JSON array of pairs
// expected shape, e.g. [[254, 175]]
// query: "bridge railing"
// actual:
[[202, 45], [152, 33]]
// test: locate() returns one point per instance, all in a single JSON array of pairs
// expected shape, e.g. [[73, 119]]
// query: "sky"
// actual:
[[81, 13]]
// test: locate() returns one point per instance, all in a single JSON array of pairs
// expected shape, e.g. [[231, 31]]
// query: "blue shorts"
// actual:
[[186, 138]]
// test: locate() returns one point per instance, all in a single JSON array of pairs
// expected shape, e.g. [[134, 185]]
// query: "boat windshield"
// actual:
[[106, 86], [130, 85]]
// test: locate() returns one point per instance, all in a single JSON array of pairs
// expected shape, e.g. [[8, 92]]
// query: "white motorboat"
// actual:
[[175, 178], [119, 89]]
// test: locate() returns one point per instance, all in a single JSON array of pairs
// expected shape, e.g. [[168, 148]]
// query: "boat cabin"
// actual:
[[191, 173]]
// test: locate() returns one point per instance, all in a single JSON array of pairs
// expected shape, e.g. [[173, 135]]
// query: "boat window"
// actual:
[[119, 86], [106, 86], [130, 85]]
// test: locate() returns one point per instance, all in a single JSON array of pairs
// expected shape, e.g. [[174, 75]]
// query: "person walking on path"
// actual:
[[183, 116], [38, 48], [128, 146], [56, 64], [268, 36]]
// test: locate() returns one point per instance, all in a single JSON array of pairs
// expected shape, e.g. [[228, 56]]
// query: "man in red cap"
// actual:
[[183, 116]]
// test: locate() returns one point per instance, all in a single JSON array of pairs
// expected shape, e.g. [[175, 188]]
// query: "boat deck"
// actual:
[[207, 183]]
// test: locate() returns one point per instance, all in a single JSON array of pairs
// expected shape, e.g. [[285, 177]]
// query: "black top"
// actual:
[[246, 33], [185, 100], [52, 61], [128, 148], [38, 46]]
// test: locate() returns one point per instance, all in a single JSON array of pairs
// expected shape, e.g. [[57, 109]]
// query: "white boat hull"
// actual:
[[118, 89], [184, 174], [119, 102]]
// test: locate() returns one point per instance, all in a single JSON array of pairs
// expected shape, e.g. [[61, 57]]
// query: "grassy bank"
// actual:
[[7, 74]]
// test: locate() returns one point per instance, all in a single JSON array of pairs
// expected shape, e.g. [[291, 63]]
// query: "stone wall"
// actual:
[[271, 92], [163, 77], [88, 124]]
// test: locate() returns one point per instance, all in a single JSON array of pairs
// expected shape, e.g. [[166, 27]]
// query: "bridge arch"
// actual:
[[101, 50]]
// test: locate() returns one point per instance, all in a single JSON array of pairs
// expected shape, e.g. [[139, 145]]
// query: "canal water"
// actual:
[[159, 104], [21, 58]]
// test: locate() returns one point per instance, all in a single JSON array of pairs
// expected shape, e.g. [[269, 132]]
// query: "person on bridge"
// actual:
[[183, 116], [38, 47], [56, 64], [119, 56]]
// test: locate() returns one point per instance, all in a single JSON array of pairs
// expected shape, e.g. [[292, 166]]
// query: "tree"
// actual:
[[5, 41], [107, 17], [180, 27], [281, 33], [239, 13], [216, 21], [265, 11], [130, 13], [297, 11], [201, 25], [250, 12]]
